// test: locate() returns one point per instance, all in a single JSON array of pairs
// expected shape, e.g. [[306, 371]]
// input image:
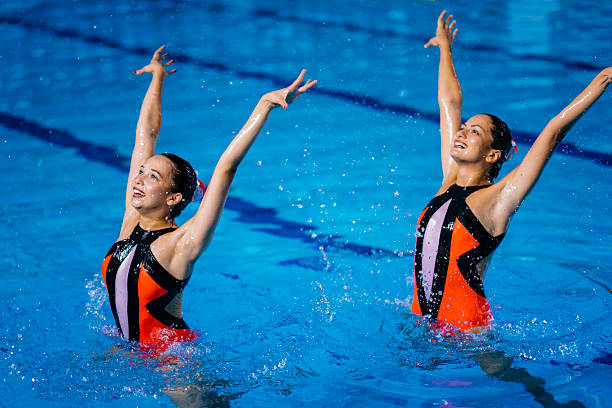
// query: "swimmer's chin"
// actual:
[[136, 203], [455, 155]]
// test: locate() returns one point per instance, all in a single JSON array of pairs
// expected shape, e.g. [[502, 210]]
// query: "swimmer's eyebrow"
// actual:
[[158, 173], [152, 169], [466, 125]]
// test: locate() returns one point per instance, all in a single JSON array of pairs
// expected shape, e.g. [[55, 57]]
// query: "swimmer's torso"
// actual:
[[452, 251], [141, 292]]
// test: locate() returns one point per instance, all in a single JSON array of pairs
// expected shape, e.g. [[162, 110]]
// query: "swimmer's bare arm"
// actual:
[[512, 189], [195, 235], [148, 126], [450, 99]]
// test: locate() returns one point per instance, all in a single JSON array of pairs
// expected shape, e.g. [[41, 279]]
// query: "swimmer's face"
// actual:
[[152, 186], [472, 143]]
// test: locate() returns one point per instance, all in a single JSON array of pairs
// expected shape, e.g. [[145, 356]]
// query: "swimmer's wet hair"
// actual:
[[502, 141], [184, 181]]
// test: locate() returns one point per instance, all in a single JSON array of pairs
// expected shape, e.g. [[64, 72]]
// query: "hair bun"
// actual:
[[198, 194], [513, 150]]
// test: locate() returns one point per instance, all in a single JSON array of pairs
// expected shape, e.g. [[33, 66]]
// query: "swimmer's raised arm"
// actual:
[[195, 235], [449, 93], [515, 186], [149, 120]]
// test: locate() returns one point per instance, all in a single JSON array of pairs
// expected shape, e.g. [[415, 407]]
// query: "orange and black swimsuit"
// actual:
[[450, 244], [140, 289]]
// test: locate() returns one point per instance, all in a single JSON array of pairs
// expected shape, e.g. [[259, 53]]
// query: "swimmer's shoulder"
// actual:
[[170, 252], [446, 184], [131, 218], [483, 205]]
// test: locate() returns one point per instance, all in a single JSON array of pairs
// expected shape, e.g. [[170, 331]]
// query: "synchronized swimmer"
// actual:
[[149, 265], [461, 227]]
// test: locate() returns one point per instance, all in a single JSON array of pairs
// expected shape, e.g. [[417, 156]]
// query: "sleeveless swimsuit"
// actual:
[[450, 244], [140, 289]]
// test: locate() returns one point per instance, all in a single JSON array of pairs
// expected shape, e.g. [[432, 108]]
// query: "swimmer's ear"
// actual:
[[493, 156], [173, 199]]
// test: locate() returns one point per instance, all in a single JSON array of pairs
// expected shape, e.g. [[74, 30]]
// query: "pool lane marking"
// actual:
[[594, 280], [390, 33], [249, 213], [566, 148]]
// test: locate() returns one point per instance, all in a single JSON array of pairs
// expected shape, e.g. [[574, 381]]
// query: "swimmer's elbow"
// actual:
[[230, 171], [228, 165], [450, 99], [147, 132], [553, 134]]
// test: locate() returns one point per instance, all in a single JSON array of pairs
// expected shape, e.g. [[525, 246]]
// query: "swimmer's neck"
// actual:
[[471, 175], [154, 224]]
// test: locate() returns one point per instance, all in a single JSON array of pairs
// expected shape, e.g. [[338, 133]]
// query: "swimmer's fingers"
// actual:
[[156, 63], [298, 80], [284, 97], [606, 76], [444, 31], [293, 92], [309, 84], [142, 70], [155, 67], [450, 16], [158, 52], [449, 30], [277, 98], [432, 41], [441, 18], [454, 35], [150, 69]]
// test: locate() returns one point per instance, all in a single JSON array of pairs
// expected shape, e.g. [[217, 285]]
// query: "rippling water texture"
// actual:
[[301, 298]]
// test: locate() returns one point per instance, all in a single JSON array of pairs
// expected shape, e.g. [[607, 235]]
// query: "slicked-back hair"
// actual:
[[502, 141], [184, 181]]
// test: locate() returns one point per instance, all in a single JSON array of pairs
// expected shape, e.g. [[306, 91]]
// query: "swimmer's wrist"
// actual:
[[446, 46], [158, 73], [606, 75], [266, 104]]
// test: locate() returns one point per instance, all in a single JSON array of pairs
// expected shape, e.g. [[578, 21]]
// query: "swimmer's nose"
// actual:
[[138, 179]]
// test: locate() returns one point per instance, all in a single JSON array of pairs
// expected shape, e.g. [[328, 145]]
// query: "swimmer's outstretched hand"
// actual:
[[284, 97], [157, 64], [606, 76], [444, 32]]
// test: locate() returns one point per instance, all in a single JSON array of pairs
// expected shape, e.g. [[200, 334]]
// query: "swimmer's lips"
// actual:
[[137, 193], [459, 145]]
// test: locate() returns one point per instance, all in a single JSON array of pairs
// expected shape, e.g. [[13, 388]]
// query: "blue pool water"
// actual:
[[301, 298]]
